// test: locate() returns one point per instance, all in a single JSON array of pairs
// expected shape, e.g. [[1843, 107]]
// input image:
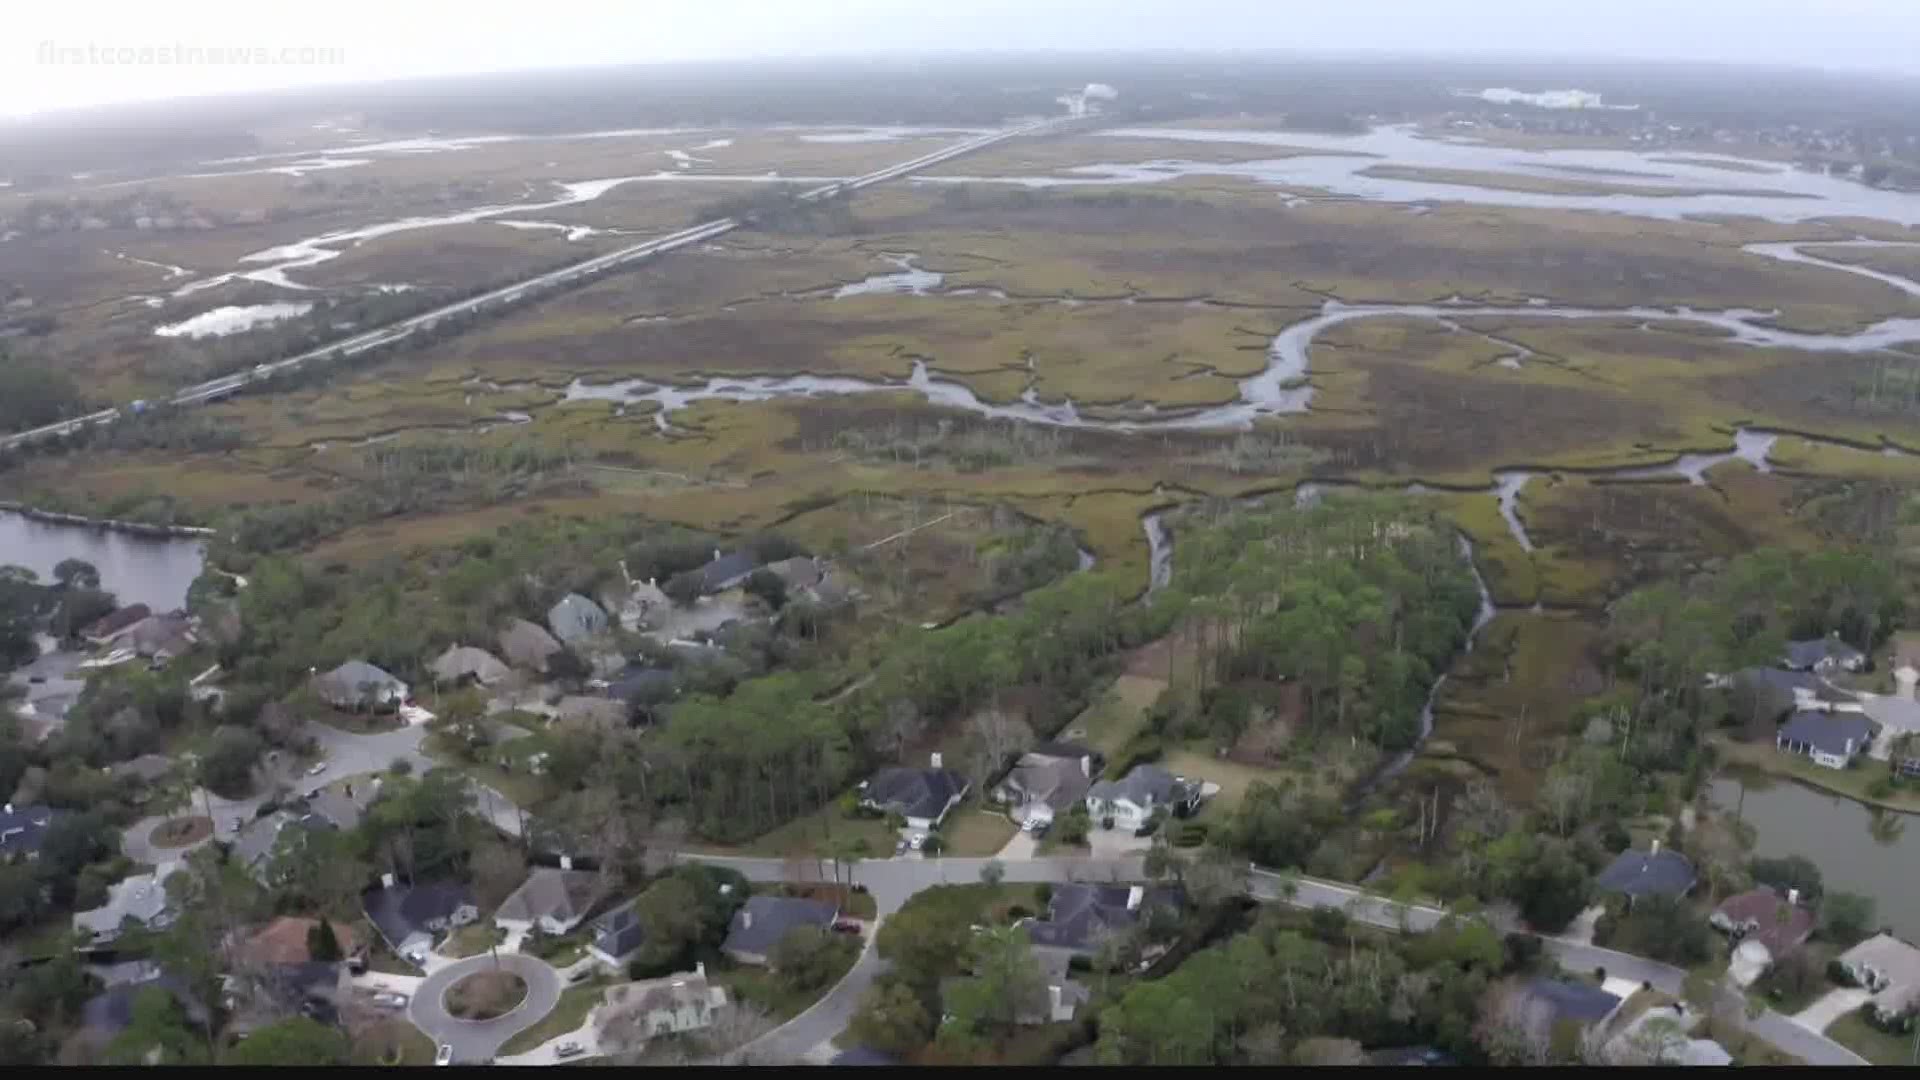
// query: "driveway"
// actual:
[[137, 841], [1832, 1006], [475, 1041]]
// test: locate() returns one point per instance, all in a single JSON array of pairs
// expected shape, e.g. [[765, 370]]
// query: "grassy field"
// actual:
[[973, 831], [571, 1012], [1116, 714], [1853, 1032], [810, 836], [472, 940]]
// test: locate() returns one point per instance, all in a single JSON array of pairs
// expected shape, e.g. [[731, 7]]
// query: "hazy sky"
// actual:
[[377, 39]]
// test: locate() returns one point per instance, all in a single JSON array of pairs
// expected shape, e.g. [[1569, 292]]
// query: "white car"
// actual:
[[569, 1049], [444, 1055], [318, 768], [919, 841], [388, 999]]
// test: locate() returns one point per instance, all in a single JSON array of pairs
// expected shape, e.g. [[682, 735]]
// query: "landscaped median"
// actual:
[[576, 1002]]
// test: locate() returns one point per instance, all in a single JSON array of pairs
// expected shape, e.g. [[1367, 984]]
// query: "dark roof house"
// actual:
[[760, 924], [1830, 738], [1823, 654], [922, 796], [404, 914], [1648, 873], [110, 1012], [726, 571], [1575, 1002], [23, 828], [640, 686], [1080, 916], [618, 934]]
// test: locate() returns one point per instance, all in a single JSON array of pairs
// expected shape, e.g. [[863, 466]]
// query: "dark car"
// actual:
[[846, 927]]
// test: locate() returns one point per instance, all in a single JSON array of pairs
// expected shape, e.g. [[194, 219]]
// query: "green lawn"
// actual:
[[973, 831], [472, 940], [392, 1042], [811, 835], [978, 903], [1853, 1032], [854, 905], [764, 988], [1116, 714], [526, 790], [568, 1015]]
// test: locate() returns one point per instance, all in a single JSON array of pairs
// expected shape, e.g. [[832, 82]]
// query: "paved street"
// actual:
[[350, 753], [475, 1041]]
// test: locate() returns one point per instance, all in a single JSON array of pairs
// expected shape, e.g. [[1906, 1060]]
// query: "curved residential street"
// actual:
[[475, 1041], [892, 881]]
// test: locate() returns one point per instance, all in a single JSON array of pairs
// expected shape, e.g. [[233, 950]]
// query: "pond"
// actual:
[[1875, 853], [151, 570]]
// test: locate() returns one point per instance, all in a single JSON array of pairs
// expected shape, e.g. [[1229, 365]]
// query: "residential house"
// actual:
[[464, 662], [642, 606], [799, 574], [526, 645], [1057, 998], [1765, 927], [141, 899], [922, 796], [109, 1013], [1653, 872], [342, 805], [763, 921], [1569, 1002], [554, 901], [1784, 691], [253, 846], [357, 684], [1043, 786], [665, 1006], [1130, 801], [723, 572], [112, 625], [617, 935], [1832, 740], [1080, 916], [159, 637], [1889, 969], [575, 618], [285, 941], [1824, 655], [23, 829], [590, 713], [408, 916]]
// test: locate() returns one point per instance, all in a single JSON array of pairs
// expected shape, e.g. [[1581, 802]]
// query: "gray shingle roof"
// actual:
[[725, 570], [759, 925], [914, 792], [619, 931], [357, 681], [527, 645], [1580, 1002], [1806, 654], [467, 662], [576, 617], [1145, 785], [1079, 915], [563, 895], [403, 910], [1642, 873], [1844, 733], [111, 1011]]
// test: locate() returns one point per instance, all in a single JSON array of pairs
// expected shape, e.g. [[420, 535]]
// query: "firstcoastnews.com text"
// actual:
[[56, 53]]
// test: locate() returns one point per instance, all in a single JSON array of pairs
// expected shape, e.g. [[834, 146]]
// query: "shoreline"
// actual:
[[1765, 759], [136, 528]]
